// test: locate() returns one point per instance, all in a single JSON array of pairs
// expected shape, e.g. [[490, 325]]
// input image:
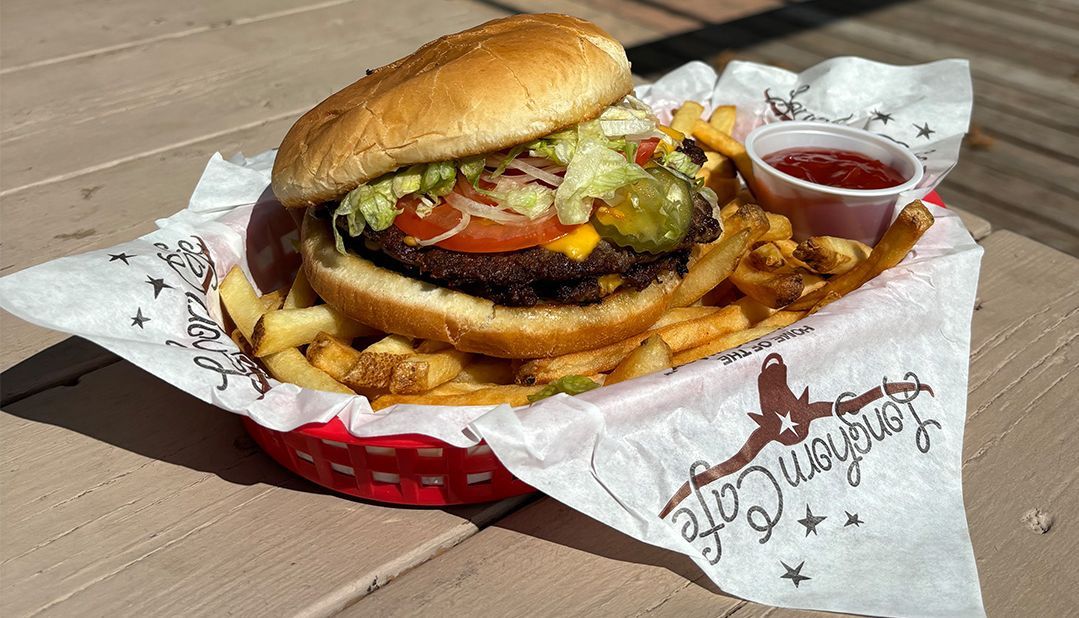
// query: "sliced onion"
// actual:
[[516, 178], [536, 172], [450, 233], [538, 161], [472, 207]]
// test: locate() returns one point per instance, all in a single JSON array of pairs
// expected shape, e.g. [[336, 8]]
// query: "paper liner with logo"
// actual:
[[818, 467]]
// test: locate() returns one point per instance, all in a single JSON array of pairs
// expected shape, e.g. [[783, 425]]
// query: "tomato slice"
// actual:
[[645, 150], [481, 235]]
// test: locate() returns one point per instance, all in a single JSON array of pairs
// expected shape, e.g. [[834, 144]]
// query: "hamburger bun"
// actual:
[[497, 85], [396, 303]]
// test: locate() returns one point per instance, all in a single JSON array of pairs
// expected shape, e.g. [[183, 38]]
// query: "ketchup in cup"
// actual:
[[830, 180], [836, 168]]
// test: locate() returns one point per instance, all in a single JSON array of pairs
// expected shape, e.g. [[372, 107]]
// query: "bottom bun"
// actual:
[[396, 303]]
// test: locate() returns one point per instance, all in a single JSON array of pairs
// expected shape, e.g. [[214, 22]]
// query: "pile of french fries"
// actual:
[[751, 281]]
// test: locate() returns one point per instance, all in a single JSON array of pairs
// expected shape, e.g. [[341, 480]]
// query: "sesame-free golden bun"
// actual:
[[396, 303], [491, 87]]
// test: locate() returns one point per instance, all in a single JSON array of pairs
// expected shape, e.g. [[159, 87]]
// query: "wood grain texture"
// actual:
[[553, 561], [72, 118], [621, 20], [1018, 453], [34, 32], [121, 495], [104, 209], [1019, 448]]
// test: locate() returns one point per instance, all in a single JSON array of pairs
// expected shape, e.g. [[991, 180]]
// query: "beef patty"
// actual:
[[527, 277]]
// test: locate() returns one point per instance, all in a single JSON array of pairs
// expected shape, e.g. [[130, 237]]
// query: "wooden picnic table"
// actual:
[[123, 495]]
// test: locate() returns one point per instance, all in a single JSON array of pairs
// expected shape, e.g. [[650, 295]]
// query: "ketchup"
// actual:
[[845, 169]]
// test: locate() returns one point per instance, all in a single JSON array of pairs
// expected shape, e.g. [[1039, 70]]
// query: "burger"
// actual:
[[500, 189]]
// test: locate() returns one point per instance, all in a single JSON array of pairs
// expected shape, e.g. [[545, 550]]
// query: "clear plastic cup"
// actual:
[[820, 210]]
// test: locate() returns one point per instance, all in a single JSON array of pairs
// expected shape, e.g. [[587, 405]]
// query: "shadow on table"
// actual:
[[112, 401], [716, 40], [554, 522]]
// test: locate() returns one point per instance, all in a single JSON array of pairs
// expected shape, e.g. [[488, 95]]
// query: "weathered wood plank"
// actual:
[[621, 24], [1056, 88], [1064, 13], [978, 227], [1041, 51], [37, 32], [715, 12], [60, 364], [1018, 456], [1019, 449], [123, 495], [58, 120], [1017, 102], [555, 562], [103, 209]]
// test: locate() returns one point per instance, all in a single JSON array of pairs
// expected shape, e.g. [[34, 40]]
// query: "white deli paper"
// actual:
[[818, 467]]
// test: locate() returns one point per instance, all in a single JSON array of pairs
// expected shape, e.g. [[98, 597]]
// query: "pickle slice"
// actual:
[[648, 216]]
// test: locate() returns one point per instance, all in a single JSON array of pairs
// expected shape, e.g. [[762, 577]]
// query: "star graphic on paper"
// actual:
[[811, 521], [882, 117], [122, 256], [924, 131], [852, 520], [787, 423], [795, 574], [159, 284], [139, 319]]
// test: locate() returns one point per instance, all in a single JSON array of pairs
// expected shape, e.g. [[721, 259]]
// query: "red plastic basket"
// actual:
[[402, 469]]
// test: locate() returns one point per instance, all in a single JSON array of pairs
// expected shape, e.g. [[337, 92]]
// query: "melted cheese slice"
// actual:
[[577, 245]]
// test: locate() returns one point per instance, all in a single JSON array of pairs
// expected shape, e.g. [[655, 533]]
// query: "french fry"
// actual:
[[772, 289], [241, 301], [813, 282], [681, 314], [651, 356], [829, 298], [766, 257], [486, 370], [332, 355], [737, 338], [376, 362], [679, 336], [246, 308], [485, 395], [722, 295], [745, 227], [722, 118], [391, 344], [422, 372], [689, 113], [291, 366], [787, 247], [719, 175], [725, 145], [900, 238], [829, 255], [272, 301], [717, 166], [779, 228], [300, 295], [290, 328]]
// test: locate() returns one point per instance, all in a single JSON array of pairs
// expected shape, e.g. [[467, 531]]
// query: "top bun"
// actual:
[[497, 85]]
